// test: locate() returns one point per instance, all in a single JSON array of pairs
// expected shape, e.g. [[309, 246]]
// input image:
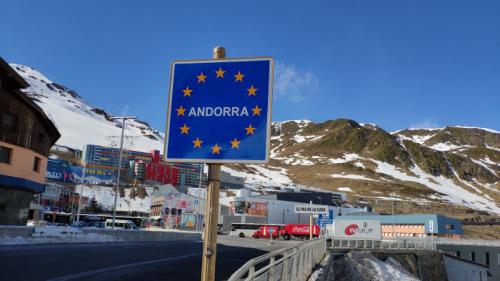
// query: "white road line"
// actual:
[[112, 268]]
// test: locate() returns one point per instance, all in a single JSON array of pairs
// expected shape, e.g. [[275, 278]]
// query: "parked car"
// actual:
[[96, 224], [121, 224]]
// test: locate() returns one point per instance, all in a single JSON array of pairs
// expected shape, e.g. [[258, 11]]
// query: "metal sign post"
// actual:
[[271, 231], [310, 223]]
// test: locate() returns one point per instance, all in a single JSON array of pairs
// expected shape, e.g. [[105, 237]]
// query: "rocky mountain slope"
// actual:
[[453, 170]]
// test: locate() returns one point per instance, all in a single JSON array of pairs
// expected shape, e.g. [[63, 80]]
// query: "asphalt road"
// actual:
[[126, 261]]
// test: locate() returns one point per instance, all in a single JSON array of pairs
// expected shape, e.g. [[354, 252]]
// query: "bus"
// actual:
[[247, 229]]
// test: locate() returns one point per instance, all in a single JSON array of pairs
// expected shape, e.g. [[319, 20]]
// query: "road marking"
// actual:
[[112, 268]]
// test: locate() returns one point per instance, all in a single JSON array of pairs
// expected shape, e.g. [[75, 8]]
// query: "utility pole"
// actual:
[[198, 217], [310, 223], [123, 118], [392, 215], [211, 209]]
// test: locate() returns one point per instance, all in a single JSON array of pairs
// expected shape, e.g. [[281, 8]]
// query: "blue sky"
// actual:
[[395, 63]]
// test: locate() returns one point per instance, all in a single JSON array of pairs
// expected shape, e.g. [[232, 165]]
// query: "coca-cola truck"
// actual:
[[299, 231], [266, 231]]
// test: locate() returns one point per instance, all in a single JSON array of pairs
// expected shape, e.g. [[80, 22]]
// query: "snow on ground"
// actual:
[[346, 189], [355, 177], [264, 176], [58, 234], [371, 268], [66, 109], [359, 165], [484, 129], [296, 159], [416, 138], [451, 191], [491, 147], [105, 196], [482, 164], [347, 157], [447, 146]]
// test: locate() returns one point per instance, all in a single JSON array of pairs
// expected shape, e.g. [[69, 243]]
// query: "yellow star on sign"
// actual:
[[239, 77], [252, 91], [216, 149], [180, 111], [184, 129], [256, 110], [197, 142], [235, 143], [187, 91], [250, 130], [220, 73], [201, 77]]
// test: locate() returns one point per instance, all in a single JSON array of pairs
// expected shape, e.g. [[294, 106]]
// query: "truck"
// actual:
[[286, 231], [299, 231], [266, 231]]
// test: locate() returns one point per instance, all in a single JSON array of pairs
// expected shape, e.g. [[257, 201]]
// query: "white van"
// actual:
[[121, 224]]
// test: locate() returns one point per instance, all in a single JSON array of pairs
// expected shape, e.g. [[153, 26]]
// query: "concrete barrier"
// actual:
[[16, 231], [138, 235], [10, 235]]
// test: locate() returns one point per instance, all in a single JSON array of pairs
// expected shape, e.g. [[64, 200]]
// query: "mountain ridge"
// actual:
[[456, 166]]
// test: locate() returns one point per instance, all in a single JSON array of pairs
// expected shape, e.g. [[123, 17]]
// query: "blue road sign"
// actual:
[[219, 111]]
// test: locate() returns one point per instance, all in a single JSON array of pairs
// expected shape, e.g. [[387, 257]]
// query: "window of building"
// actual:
[[472, 256], [9, 121], [487, 258], [457, 253], [5, 155], [36, 164]]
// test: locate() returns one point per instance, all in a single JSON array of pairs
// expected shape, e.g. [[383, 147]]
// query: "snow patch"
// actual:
[[354, 177], [451, 191]]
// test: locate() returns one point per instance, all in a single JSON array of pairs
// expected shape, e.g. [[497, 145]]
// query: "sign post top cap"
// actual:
[[219, 52]]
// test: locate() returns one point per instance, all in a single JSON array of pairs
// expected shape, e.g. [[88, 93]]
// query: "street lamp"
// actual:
[[123, 118]]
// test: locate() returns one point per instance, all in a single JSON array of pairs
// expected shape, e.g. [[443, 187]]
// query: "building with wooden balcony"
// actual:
[[26, 136]]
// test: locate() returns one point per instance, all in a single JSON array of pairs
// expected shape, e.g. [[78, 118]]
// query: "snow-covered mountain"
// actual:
[[454, 170], [81, 123]]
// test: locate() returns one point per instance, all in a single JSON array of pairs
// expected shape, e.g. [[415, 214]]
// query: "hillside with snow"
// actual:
[[453, 170], [81, 123]]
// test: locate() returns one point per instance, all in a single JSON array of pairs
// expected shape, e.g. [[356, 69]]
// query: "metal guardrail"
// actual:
[[407, 243], [386, 244], [294, 263]]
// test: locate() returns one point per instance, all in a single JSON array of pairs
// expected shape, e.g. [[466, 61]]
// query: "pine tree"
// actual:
[[94, 207], [133, 193]]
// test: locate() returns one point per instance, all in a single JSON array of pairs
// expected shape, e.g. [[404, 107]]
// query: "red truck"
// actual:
[[266, 230], [287, 231]]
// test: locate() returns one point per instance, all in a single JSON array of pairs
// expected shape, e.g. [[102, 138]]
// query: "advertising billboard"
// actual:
[[58, 170], [93, 174], [357, 229]]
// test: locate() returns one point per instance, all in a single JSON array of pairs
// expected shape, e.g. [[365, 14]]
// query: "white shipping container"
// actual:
[[357, 229]]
